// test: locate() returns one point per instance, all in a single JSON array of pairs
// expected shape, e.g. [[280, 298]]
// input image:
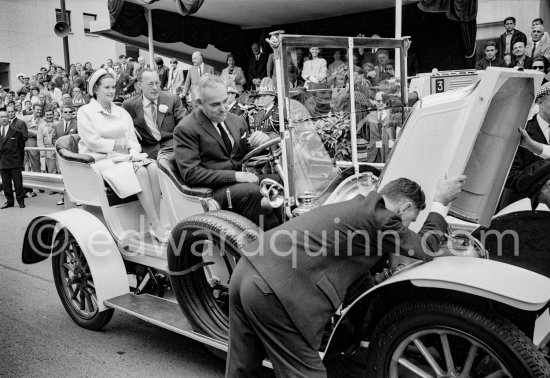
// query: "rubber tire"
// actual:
[[498, 334], [192, 291], [100, 319]]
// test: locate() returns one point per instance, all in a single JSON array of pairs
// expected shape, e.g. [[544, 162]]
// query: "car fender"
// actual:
[[493, 280], [97, 244]]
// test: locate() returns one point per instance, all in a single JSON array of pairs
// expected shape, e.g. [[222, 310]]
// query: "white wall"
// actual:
[[27, 36], [495, 11]]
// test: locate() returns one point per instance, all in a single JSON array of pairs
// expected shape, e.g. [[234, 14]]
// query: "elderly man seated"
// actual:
[[209, 145]]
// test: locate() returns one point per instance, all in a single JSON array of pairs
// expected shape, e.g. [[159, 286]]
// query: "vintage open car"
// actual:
[[461, 314]]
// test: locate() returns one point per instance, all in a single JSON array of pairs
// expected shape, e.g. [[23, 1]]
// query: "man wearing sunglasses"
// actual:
[[66, 125]]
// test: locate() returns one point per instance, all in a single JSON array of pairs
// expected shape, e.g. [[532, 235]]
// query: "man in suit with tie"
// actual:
[[12, 152], [257, 67], [175, 78], [155, 113], [66, 125], [536, 133], [194, 74], [126, 67], [537, 48], [123, 82], [290, 281], [209, 145]]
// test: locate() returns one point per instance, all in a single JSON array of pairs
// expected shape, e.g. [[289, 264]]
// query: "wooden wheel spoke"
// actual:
[[75, 292], [82, 300], [68, 266], [413, 368], [448, 355], [89, 301], [429, 358], [469, 362]]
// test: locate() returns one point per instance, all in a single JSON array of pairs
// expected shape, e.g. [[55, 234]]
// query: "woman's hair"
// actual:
[[230, 55], [98, 83], [544, 61]]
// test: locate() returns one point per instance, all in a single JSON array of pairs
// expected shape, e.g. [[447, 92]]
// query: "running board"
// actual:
[[165, 314]]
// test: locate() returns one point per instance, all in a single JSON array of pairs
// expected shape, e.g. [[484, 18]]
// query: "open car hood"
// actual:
[[473, 131]]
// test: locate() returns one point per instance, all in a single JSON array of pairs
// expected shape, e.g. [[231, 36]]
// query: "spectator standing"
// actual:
[[123, 82], [12, 150], [315, 69], [491, 59], [162, 71], [125, 67], [194, 74], [45, 140], [234, 73], [257, 67], [18, 123], [67, 124], [78, 99], [537, 47], [545, 36], [175, 78], [509, 38], [32, 158]]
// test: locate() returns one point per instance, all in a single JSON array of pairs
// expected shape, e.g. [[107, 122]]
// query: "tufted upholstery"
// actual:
[[167, 164], [67, 148]]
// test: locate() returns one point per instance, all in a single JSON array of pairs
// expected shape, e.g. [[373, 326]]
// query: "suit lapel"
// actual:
[[211, 129], [9, 133], [138, 107], [235, 133], [536, 133]]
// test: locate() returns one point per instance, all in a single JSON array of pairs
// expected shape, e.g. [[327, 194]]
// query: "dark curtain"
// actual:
[[463, 11], [171, 27], [187, 7]]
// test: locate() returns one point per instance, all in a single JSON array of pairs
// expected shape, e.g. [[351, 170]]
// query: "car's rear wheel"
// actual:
[[437, 339], [75, 285], [201, 259]]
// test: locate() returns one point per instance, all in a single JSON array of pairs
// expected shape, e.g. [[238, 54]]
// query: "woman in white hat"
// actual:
[[108, 130]]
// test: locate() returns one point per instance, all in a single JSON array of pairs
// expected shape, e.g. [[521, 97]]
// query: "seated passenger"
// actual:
[[155, 113], [209, 146], [104, 129]]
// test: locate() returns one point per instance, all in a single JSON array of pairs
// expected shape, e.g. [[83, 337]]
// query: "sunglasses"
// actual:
[[538, 67]]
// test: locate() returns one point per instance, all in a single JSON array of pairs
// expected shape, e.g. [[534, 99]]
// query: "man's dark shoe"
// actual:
[[22, 205], [6, 205]]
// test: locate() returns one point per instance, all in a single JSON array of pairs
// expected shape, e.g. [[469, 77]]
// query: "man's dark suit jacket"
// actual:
[[200, 153], [517, 36], [312, 280], [59, 129], [524, 157], [257, 69], [20, 125], [165, 121], [163, 75], [527, 62], [124, 82], [12, 148]]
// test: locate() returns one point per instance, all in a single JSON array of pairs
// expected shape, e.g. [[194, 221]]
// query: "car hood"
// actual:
[[472, 131]]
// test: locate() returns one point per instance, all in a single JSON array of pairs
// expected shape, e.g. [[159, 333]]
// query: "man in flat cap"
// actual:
[[534, 145]]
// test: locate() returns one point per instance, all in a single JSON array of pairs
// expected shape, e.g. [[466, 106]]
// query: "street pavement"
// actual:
[[38, 338]]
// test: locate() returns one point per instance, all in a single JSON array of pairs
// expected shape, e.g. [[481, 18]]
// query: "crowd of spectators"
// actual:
[[514, 49]]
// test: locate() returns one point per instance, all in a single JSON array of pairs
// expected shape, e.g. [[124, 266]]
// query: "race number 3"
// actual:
[[439, 86]]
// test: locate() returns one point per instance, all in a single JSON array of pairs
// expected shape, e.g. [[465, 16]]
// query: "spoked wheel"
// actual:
[[75, 284], [205, 254], [435, 339]]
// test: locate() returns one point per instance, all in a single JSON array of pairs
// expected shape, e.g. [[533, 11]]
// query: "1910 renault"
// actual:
[[461, 314]]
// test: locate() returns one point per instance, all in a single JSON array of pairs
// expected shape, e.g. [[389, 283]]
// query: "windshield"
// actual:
[[339, 121]]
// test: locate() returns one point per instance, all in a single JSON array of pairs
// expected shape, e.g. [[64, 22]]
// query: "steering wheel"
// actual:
[[254, 160]]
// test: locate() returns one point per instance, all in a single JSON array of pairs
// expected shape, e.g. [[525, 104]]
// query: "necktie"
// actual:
[[67, 127], [4, 131], [533, 51], [225, 137], [200, 71], [154, 112], [379, 116]]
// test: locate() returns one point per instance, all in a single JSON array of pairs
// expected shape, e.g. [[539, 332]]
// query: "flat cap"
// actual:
[[544, 91], [531, 180]]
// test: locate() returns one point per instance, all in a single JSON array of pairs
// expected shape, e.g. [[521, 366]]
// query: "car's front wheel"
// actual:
[[429, 338], [75, 285]]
